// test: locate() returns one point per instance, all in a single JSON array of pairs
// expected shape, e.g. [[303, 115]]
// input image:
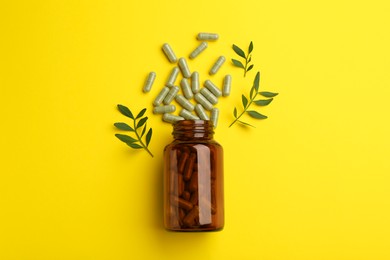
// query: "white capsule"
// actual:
[[214, 116], [160, 97], [195, 82], [185, 70], [210, 97], [169, 53], [203, 101], [149, 82], [164, 109], [171, 95], [186, 88], [227, 85], [169, 118], [172, 77], [198, 50], [187, 115], [201, 112], [207, 37], [213, 88], [184, 102], [217, 65]]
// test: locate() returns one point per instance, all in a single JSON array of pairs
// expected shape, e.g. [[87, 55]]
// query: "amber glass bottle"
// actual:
[[193, 179]]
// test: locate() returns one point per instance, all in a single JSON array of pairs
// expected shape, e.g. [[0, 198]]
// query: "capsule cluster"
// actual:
[[195, 101]]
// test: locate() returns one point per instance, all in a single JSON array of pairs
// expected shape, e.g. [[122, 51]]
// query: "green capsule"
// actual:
[[164, 109], [149, 82], [171, 95], [184, 102], [217, 65], [214, 116], [195, 82], [207, 37], [160, 97], [169, 118], [187, 115], [227, 85], [172, 77], [185, 87], [213, 88], [201, 112], [169, 53], [203, 101], [210, 97], [198, 50], [185, 70]]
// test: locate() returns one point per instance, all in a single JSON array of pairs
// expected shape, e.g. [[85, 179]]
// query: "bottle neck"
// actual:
[[186, 130]]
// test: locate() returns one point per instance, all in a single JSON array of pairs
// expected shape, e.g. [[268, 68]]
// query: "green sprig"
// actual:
[[247, 58], [138, 122], [247, 102]]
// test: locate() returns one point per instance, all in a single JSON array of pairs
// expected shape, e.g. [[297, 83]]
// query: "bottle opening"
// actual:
[[193, 129]]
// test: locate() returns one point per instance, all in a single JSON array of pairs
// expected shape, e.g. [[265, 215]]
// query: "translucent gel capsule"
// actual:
[[201, 112], [195, 82], [217, 65], [186, 88], [213, 88], [169, 118], [227, 84], [203, 101], [210, 97], [164, 109], [160, 97], [207, 36], [171, 95], [185, 70], [172, 77], [187, 115], [169, 53], [149, 82], [214, 116], [184, 102], [198, 50]]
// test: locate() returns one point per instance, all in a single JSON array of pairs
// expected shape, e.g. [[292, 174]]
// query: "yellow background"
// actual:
[[310, 182]]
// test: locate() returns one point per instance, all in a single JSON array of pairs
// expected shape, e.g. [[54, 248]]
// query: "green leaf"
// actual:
[[140, 114], [252, 92], [134, 146], [124, 127], [235, 112], [239, 52], [142, 122], [125, 138], [125, 111], [250, 67], [148, 137], [263, 102], [256, 82], [244, 101], [143, 130], [250, 59], [250, 49], [245, 123], [268, 94], [256, 114], [238, 63]]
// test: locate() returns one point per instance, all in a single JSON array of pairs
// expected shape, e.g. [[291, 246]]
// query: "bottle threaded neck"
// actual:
[[193, 129]]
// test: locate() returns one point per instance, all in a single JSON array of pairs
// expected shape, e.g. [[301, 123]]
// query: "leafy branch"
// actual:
[[246, 103], [247, 58], [138, 122]]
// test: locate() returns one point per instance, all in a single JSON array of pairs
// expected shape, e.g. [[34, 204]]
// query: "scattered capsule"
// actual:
[[227, 85], [214, 116], [164, 109], [185, 70], [210, 97], [169, 118], [203, 101], [213, 88], [149, 82], [207, 37], [187, 115], [201, 112], [186, 88], [171, 95], [169, 53], [195, 82], [184, 102], [160, 97], [217, 65], [198, 50], [172, 77]]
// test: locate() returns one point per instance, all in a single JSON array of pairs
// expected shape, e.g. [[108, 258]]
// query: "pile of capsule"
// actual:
[[205, 97]]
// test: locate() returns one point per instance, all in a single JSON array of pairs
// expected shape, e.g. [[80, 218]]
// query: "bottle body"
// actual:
[[193, 179]]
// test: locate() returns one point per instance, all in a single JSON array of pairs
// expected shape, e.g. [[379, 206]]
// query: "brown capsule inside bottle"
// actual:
[[193, 179]]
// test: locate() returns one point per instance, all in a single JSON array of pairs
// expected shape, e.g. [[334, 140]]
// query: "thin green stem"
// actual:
[[245, 109], [140, 140], [246, 64]]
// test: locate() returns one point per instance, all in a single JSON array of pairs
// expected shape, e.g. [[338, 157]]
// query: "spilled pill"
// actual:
[[185, 70], [210, 96], [198, 50], [184, 102], [214, 116], [169, 53], [207, 37], [164, 109], [186, 88], [187, 115], [149, 82], [203, 101], [160, 97], [217, 65], [195, 82], [213, 88], [172, 77], [171, 95], [201, 112], [227, 84], [169, 118]]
